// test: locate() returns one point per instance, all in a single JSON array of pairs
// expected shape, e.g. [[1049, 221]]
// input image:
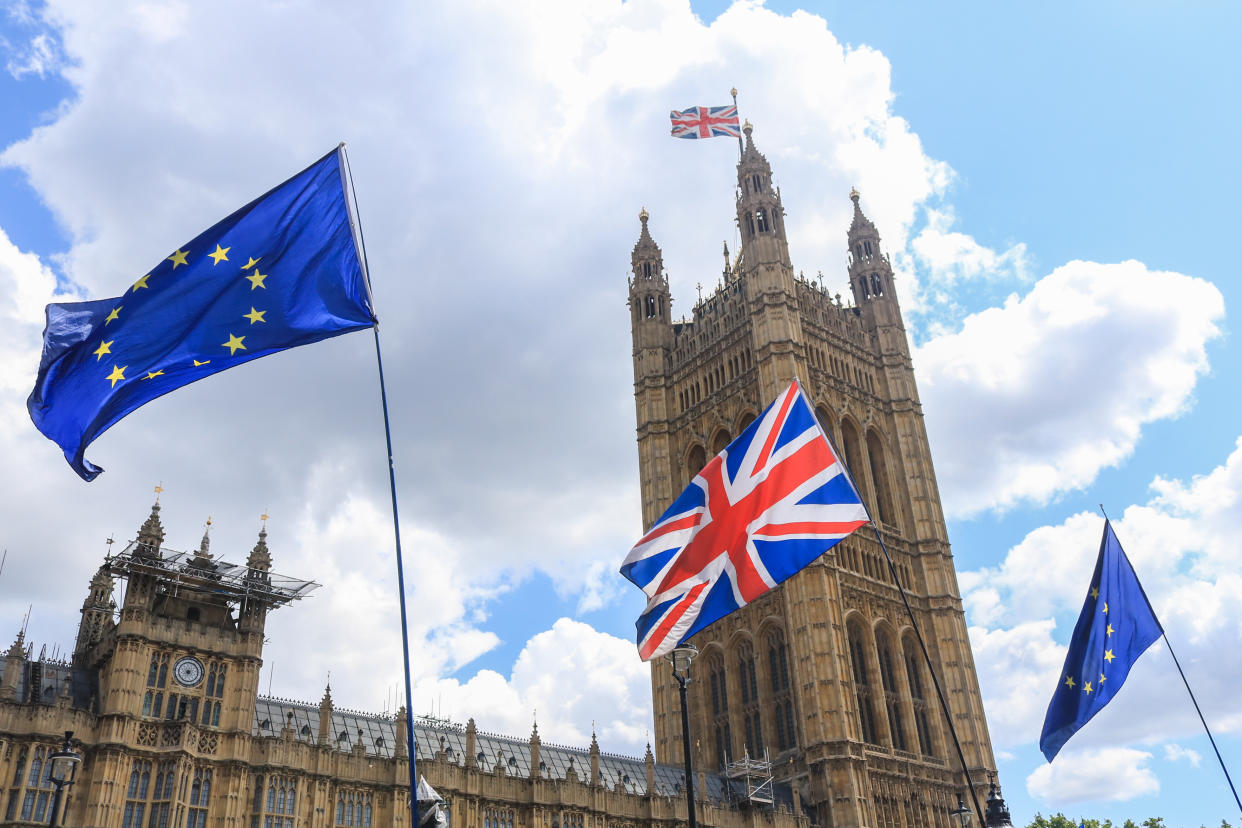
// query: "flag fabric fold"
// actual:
[[706, 122], [282, 271], [768, 505], [1115, 627]]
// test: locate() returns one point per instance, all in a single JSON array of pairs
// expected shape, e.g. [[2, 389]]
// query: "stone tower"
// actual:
[[823, 675]]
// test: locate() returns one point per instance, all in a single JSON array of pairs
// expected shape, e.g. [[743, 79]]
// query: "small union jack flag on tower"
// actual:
[[706, 122], [768, 505]]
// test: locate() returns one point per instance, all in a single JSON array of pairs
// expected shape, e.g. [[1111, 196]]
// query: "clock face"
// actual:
[[188, 671]]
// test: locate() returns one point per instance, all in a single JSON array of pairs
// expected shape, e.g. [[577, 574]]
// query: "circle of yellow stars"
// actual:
[[178, 258], [1108, 653]]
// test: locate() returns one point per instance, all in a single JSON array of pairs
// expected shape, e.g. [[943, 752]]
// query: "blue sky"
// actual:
[[1056, 185]]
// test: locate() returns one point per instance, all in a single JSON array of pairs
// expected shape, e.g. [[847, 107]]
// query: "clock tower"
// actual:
[[178, 671]]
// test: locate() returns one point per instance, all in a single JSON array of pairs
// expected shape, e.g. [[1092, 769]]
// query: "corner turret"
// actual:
[[760, 216], [871, 272]]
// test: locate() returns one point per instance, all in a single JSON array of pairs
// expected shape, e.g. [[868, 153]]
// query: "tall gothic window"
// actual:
[[353, 808], [720, 708], [892, 700], [918, 698], [35, 797], [749, 686], [200, 799], [778, 669], [862, 684], [879, 477], [761, 220]]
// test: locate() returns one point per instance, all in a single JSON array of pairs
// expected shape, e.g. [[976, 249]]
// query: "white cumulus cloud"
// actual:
[[1036, 397], [1109, 774]]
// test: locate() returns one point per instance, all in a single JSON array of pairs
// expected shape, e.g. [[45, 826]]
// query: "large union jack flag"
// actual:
[[706, 122], [768, 505]]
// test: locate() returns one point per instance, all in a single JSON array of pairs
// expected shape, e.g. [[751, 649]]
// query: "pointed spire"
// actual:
[[401, 734], [326, 701], [18, 649], [204, 545], [860, 223], [151, 533], [260, 559], [747, 128]]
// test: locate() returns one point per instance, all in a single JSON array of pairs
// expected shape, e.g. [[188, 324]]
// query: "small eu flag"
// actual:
[[1116, 626], [282, 271]]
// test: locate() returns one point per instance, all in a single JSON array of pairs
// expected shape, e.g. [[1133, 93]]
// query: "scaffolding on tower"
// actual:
[[750, 780], [229, 581]]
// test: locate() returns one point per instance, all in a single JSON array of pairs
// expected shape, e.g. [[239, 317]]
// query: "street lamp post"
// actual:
[[681, 658], [62, 769], [961, 812]]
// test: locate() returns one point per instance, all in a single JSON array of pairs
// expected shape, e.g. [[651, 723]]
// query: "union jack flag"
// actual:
[[768, 505], [706, 122]]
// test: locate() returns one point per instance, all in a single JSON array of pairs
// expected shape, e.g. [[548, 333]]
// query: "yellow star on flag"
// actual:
[[178, 258], [141, 283], [1106, 608], [253, 261], [220, 254], [254, 315], [104, 348], [117, 374], [1108, 656], [204, 362], [1101, 678], [1086, 688], [1069, 682], [1109, 630], [234, 344], [116, 312], [256, 279], [1095, 593], [153, 374]]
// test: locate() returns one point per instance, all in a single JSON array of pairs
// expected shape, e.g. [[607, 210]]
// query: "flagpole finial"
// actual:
[[733, 92], [643, 215]]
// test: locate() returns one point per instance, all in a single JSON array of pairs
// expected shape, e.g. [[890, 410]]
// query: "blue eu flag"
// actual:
[[282, 271], [1116, 626]]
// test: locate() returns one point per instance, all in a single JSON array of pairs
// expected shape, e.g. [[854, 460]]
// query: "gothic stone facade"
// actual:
[[162, 698], [822, 674]]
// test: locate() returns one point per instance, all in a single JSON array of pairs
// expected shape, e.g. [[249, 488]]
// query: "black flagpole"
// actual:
[[396, 523], [1178, 664], [740, 148], [918, 634]]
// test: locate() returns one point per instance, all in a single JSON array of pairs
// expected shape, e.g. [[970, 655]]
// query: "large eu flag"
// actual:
[[282, 271], [1116, 626]]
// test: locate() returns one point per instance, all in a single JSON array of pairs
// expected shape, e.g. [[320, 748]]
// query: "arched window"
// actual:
[[720, 441], [778, 671], [826, 420], [853, 452], [720, 708], [918, 698], [761, 219], [879, 478], [695, 461], [646, 270], [862, 683], [749, 686], [750, 224], [892, 700], [867, 249], [756, 182], [877, 288]]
